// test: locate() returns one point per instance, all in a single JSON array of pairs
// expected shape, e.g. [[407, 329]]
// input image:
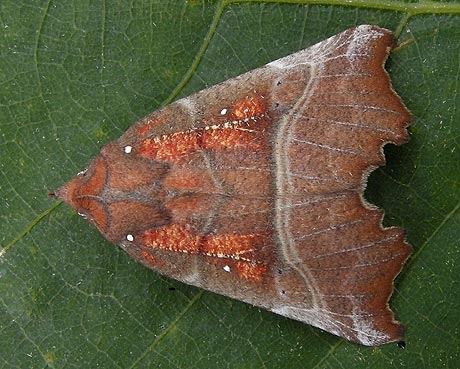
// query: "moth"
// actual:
[[253, 188]]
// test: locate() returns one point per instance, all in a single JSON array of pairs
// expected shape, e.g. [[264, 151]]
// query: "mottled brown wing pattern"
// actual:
[[253, 188]]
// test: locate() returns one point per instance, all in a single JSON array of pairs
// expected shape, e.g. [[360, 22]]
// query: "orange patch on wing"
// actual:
[[250, 271], [230, 246], [174, 237], [236, 250], [176, 146], [249, 107], [246, 119]]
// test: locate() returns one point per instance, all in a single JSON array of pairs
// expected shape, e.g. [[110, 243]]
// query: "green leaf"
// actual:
[[75, 75]]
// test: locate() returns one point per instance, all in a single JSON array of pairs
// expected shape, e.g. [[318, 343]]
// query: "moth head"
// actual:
[[118, 194], [83, 192]]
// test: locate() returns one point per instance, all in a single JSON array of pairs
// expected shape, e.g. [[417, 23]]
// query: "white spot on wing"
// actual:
[[227, 268], [128, 149], [130, 237]]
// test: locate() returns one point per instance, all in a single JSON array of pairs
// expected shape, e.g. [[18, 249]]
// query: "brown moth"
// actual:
[[253, 188]]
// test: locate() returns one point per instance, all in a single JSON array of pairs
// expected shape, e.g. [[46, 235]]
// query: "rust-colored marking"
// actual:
[[249, 107], [251, 271], [246, 120], [174, 237], [226, 248], [178, 238], [176, 146]]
